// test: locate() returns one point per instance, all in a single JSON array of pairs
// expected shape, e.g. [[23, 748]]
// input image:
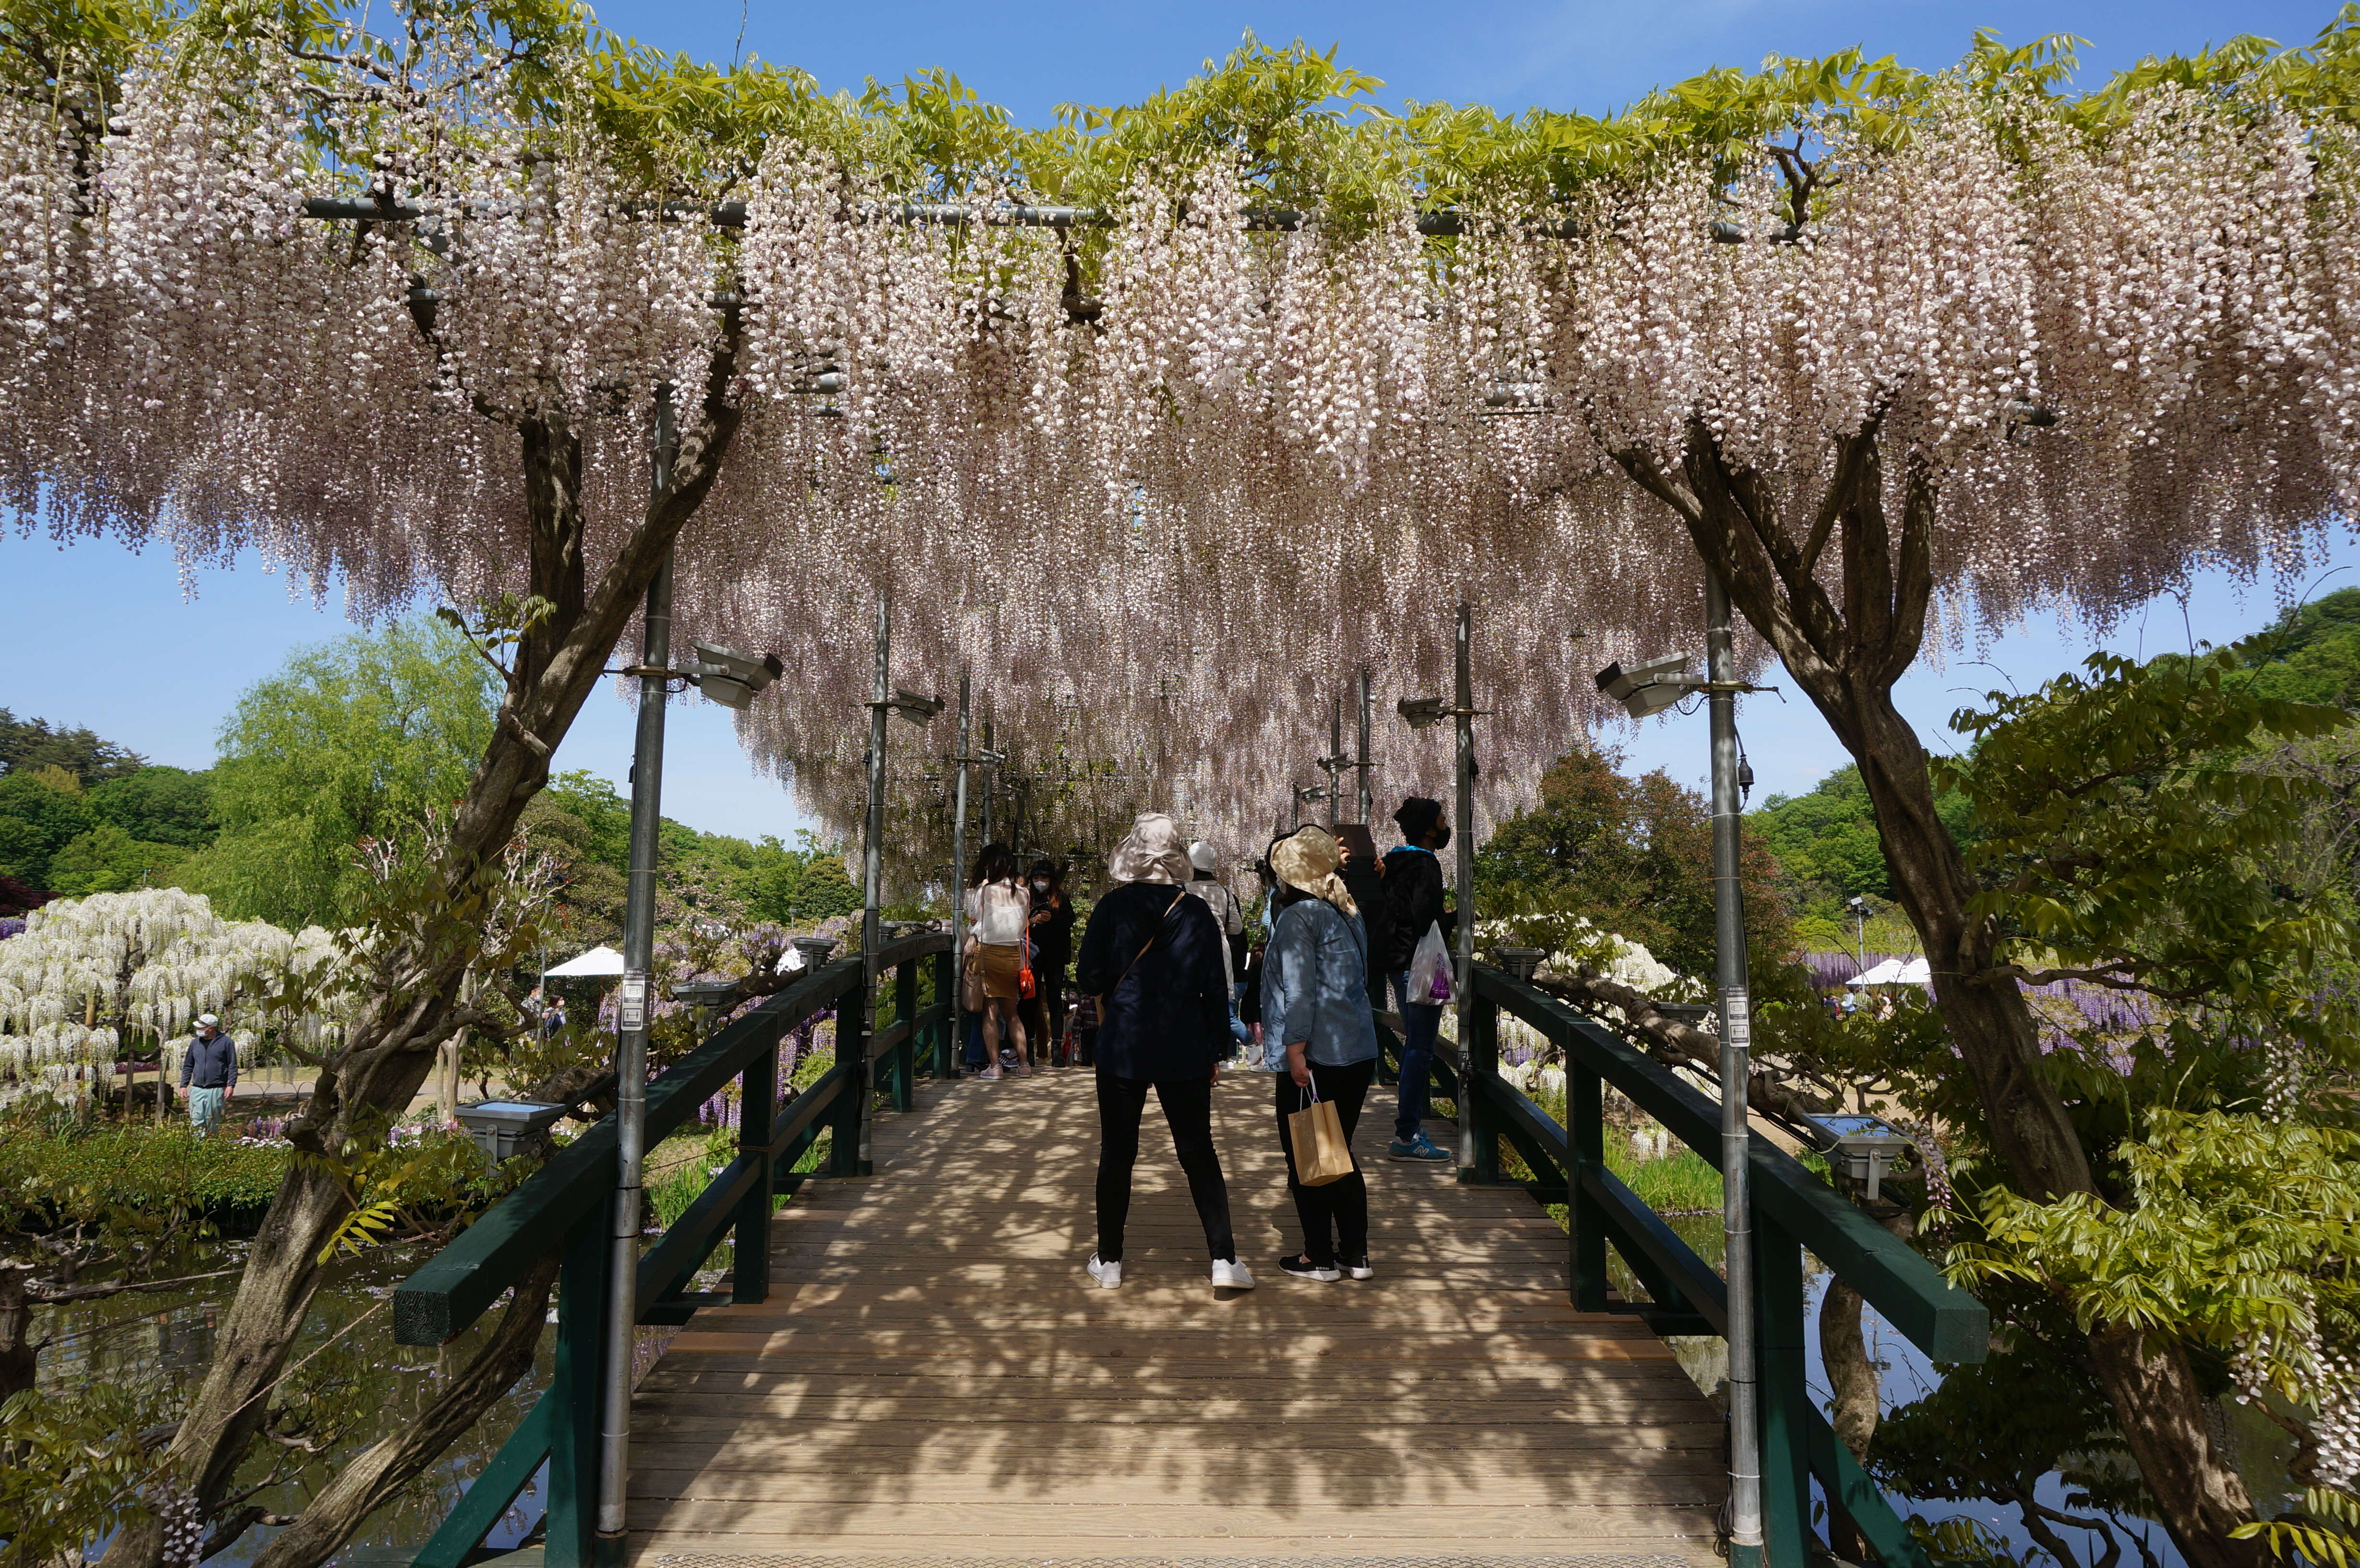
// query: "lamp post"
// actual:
[[1745, 1541], [918, 710], [1649, 688], [1360, 761], [631, 1031], [958, 873], [731, 679], [1859, 908]]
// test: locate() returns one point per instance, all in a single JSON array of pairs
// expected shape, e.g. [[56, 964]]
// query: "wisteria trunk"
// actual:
[[390, 1044], [1846, 644]]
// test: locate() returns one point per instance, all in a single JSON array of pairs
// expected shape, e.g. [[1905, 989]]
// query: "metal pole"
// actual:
[[958, 878], [1335, 763], [1463, 830], [1746, 1549], [872, 880], [1360, 761], [631, 1033], [990, 782]]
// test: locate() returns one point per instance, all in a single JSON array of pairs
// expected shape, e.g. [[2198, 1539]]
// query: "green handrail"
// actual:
[[564, 1203], [1792, 1210]]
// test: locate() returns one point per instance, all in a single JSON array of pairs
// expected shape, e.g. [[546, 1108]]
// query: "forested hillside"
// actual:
[[352, 739]]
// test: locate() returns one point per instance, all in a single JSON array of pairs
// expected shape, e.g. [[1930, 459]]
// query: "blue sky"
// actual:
[[118, 642]]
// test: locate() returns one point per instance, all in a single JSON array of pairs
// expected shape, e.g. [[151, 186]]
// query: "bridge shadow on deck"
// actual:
[[935, 1375]]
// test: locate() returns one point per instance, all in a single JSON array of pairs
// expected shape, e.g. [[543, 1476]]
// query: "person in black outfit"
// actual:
[[1412, 883], [1153, 956], [1053, 952]]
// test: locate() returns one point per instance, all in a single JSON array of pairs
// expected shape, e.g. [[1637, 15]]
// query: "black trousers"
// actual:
[[1188, 1111], [1335, 1216]]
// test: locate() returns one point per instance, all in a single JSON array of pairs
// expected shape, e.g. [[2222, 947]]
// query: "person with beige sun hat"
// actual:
[[1320, 1040]]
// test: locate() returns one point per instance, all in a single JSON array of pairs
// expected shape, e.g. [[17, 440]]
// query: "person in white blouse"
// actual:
[[998, 910]]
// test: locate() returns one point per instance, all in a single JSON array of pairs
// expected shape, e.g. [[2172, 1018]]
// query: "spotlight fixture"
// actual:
[[730, 678], [1649, 688]]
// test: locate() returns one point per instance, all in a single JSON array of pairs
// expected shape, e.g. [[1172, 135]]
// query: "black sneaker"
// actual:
[[1302, 1268]]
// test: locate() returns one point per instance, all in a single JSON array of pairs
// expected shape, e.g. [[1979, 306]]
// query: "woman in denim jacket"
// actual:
[[1320, 1039]]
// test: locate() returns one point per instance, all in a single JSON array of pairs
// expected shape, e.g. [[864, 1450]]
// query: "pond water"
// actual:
[[351, 1383]]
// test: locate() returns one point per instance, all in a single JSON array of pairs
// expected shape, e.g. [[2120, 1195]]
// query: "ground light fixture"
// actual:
[[1863, 1147], [1519, 962], [499, 1127]]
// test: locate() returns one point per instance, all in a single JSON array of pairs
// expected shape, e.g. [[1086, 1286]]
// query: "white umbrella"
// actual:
[[1885, 973], [1915, 973], [598, 961]]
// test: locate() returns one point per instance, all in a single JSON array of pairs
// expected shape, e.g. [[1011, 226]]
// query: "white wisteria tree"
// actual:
[[1167, 421], [89, 978]]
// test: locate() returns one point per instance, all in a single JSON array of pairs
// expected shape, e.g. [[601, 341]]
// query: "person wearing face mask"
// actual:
[[1412, 883], [1053, 952]]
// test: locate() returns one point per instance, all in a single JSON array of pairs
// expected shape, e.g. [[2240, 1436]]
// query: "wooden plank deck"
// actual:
[[936, 1376]]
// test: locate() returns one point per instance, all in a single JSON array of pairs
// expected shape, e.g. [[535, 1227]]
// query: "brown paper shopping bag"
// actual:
[[1317, 1134]]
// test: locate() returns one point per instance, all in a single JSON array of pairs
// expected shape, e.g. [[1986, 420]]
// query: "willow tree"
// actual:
[[1167, 421]]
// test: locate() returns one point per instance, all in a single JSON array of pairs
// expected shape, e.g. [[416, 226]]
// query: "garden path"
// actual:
[[936, 1376]]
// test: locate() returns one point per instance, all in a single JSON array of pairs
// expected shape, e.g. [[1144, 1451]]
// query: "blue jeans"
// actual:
[[1420, 1022], [205, 1108]]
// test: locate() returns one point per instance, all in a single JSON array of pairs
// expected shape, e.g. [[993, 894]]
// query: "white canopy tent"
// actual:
[[1897, 972], [598, 961]]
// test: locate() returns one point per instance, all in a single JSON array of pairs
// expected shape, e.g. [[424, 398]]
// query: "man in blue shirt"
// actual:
[[209, 1072]]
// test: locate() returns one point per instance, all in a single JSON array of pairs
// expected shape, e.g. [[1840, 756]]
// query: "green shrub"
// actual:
[[49, 1176]]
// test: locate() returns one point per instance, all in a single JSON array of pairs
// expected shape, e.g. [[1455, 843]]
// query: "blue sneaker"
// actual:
[[1418, 1148]]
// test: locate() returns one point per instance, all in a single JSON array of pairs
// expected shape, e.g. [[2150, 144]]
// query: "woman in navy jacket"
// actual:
[[1153, 956]]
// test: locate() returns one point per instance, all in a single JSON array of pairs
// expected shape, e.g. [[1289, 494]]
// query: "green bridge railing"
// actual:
[[1793, 1212], [569, 1199]]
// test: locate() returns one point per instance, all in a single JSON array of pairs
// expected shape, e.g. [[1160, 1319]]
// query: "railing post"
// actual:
[[945, 998], [583, 1284], [852, 1014], [1585, 1221], [758, 1100], [905, 1055], [1479, 1059], [1786, 1409]]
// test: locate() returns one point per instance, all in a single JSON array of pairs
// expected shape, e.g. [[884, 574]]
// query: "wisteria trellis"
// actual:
[[1165, 522]]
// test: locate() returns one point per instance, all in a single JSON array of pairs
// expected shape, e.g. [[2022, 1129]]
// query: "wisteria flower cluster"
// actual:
[[1167, 484]]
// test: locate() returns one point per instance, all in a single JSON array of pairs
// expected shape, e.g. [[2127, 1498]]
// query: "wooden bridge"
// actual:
[[910, 1364]]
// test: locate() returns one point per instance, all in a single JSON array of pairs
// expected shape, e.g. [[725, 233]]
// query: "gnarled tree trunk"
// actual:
[[390, 1047], [1846, 643]]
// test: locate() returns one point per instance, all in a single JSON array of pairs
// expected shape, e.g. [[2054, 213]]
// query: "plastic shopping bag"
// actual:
[[1430, 979]]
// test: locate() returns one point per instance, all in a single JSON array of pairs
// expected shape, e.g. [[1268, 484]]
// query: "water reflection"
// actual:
[[357, 1385]]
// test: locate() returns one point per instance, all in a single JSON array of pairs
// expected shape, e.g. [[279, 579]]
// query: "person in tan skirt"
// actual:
[[998, 910]]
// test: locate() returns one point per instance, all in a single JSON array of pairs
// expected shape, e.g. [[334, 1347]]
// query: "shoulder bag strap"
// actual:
[[1111, 990]]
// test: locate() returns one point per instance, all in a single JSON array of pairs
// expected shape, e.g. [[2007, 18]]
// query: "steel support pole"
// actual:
[[990, 782], [1737, 1030], [1360, 758], [959, 882], [631, 1034], [872, 876], [1335, 763], [1463, 833]]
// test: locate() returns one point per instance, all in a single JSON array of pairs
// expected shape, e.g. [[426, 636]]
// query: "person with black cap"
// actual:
[[1413, 904]]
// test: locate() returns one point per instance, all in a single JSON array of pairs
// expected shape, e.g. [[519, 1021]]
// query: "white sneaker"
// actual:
[[1363, 1269], [1109, 1274], [1231, 1276]]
